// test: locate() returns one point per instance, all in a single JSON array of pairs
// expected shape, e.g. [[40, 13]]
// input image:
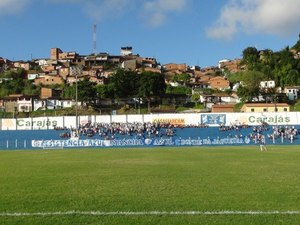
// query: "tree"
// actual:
[[69, 92], [178, 90], [250, 85], [105, 91], [287, 68], [124, 83], [297, 45], [196, 98], [86, 91], [250, 58], [150, 85], [181, 78], [30, 88], [268, 62], [15, 83]]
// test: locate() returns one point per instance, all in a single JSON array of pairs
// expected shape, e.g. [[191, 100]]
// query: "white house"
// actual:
[[126, 51], [41, 62], [221, 62], [32, 76], [38, 104], [267, 84], [291, 93], [67, 103], [53, 103], [42, 104], [218, 98], [24, 104]]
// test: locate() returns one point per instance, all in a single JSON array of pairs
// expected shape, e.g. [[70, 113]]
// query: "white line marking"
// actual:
[[150, 213]]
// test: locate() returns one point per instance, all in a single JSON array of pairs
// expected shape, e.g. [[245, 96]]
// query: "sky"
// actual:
[[195, 32]]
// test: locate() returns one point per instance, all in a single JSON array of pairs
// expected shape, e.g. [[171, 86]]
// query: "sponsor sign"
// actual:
[[173, 121], [36, 123], [269, 119], [213, 119]]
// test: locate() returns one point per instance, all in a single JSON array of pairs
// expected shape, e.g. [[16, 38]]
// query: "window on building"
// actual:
[[285, 109], [265, 110], [252, 110], [276, 109]]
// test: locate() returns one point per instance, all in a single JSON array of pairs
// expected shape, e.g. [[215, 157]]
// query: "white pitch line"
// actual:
[[150, 213]]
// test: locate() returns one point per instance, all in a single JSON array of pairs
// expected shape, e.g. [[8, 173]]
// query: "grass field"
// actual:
[[199, 180]]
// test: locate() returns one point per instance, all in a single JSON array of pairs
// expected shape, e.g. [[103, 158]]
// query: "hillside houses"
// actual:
[[65, 68], [230, 65]]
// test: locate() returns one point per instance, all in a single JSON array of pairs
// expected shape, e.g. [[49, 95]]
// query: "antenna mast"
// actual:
[[95, 39]]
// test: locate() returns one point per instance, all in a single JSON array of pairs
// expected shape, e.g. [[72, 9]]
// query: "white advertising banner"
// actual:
[[103, 119], [41, 123], [70, 121], [8, 124], [253, 119], [179, 119], [25, 124], [83, 120], [119, 118], [135, 118], [57, 122]]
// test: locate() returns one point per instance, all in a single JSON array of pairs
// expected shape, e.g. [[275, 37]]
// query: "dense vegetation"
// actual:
[[15, 82], [282, 67]]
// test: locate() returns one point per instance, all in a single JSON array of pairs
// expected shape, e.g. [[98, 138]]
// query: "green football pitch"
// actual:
[[192, 185]]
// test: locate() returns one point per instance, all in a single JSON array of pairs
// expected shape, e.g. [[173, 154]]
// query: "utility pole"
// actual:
[[76, 99], [77, 72]]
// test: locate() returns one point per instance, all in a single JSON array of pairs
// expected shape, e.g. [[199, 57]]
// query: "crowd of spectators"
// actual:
[[257, 133], [276, 132], [140, 130], [234, 126], [283, 132], [113, 130], [116, 129]]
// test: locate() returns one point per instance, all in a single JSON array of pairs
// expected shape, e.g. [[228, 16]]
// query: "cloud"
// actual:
[[107, 8], [97, 10], [12, 6], [275, 17], [156, 11]]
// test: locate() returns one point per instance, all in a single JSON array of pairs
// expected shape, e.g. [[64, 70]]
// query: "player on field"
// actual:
[[262, 142]]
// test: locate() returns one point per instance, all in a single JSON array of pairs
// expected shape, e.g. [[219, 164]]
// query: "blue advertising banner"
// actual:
[[139, 142]]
